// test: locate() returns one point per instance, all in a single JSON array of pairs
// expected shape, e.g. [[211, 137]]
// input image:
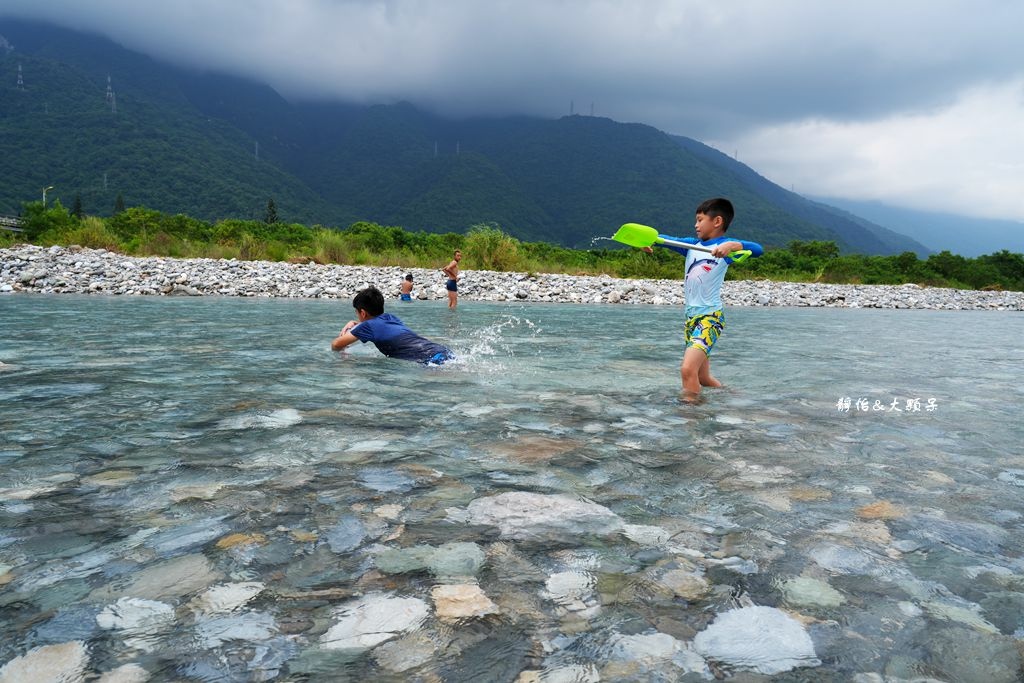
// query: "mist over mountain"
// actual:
[[94, 120], [965, 235]]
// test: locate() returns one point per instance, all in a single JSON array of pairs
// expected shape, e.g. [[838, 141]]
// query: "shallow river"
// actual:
[[199, 489]]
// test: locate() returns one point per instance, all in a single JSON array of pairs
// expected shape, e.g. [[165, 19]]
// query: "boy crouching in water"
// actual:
[[387, 332]]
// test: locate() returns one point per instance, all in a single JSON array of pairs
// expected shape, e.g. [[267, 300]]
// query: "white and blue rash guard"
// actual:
[[705, 273], [395, 340]]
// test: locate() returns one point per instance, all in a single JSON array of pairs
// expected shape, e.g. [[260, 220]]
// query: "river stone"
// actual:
[[963, 654], [451, 560], [570, 589], [652, 649], [63, 663], [841, 559], [407, 652], [141, 623], [128, 673], [247, 627], [805, 591], [685, 584], [226, 597], [461, 601], [762, 639], [978, 537], [373, 619], [170, 579], [110, 478], [346, 535], [525, 516]]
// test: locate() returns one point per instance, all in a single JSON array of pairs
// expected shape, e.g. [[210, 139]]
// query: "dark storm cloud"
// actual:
[[716, 71]]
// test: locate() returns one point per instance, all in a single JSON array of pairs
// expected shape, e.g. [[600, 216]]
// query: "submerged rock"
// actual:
[[806, 591], [141, 623], [461, 601], [763, 639], [170, 579], [373, 619], [62, 662], [226, 597], [525, 516], [655, 653], [451, 560]]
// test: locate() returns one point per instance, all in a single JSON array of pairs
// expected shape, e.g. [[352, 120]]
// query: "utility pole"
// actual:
[[45, 190], [257, 150]]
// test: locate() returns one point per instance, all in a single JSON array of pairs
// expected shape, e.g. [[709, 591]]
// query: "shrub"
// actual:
[[489, 248], [92, 232], [329, 247]]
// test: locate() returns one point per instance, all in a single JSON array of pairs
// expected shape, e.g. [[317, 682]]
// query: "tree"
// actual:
[[76, 208], [119, 204], [271, 212]]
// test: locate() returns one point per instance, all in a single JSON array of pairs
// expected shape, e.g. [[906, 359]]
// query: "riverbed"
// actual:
[[197, 488]]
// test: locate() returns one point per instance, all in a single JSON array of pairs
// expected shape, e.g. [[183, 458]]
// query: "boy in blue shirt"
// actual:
[[705, 274], [387, 332]]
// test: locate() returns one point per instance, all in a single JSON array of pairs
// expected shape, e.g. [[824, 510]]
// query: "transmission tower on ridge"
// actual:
[[21, 81], [110, 90]]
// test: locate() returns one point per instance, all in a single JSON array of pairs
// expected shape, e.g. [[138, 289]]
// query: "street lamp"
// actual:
[[45, 190]]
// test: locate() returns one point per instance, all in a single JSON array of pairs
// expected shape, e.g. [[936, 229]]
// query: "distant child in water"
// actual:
[[406, 288], [705, 273], [387, 332]]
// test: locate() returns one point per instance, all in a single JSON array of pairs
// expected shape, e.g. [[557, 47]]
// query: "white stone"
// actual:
[[523, 515], [62, 663], [373, 619], [762, 639], [226, 597]]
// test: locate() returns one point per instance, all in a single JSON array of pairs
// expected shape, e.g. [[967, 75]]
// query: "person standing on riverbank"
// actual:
[[705, 273], [451, 271], [387, 332]]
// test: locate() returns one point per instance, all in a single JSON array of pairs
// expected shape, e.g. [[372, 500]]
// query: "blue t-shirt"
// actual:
[[395, 340], [706, 273]]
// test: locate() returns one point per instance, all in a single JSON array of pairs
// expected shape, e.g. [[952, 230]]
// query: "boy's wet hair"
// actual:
[[370, 300], [718, 206], [409, 277]]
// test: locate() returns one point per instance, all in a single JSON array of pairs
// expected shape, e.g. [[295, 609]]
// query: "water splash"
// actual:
[[601, 239], [489, 347]]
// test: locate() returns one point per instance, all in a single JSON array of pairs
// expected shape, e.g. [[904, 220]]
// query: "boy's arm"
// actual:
[[723, 249], [345, 337], [343, 340]]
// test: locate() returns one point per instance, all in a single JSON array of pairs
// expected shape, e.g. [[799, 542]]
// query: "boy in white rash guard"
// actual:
[[705, 274]]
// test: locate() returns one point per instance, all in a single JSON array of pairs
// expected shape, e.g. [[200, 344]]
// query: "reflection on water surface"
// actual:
[[200, 490]]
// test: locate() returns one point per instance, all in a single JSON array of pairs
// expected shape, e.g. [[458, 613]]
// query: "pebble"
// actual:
[[77, 270]]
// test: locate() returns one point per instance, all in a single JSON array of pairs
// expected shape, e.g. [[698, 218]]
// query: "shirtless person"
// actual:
[[451, 271]]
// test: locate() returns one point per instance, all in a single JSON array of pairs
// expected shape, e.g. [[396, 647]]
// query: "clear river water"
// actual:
[[199, 489]]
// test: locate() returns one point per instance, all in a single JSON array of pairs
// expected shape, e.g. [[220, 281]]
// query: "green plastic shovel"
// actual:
[[636, 235]]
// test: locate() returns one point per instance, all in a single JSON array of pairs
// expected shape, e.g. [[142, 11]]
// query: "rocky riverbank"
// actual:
[[75, 270]]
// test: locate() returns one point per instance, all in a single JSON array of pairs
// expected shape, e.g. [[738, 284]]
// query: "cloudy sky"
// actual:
[[916, 103]]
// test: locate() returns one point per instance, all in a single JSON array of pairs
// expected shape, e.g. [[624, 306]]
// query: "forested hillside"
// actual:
[[213, 147]]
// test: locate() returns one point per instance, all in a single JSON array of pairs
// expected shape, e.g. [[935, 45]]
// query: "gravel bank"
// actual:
[[74, 270]]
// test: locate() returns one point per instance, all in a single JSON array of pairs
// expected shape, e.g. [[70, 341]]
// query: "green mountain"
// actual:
[[215, 146]]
